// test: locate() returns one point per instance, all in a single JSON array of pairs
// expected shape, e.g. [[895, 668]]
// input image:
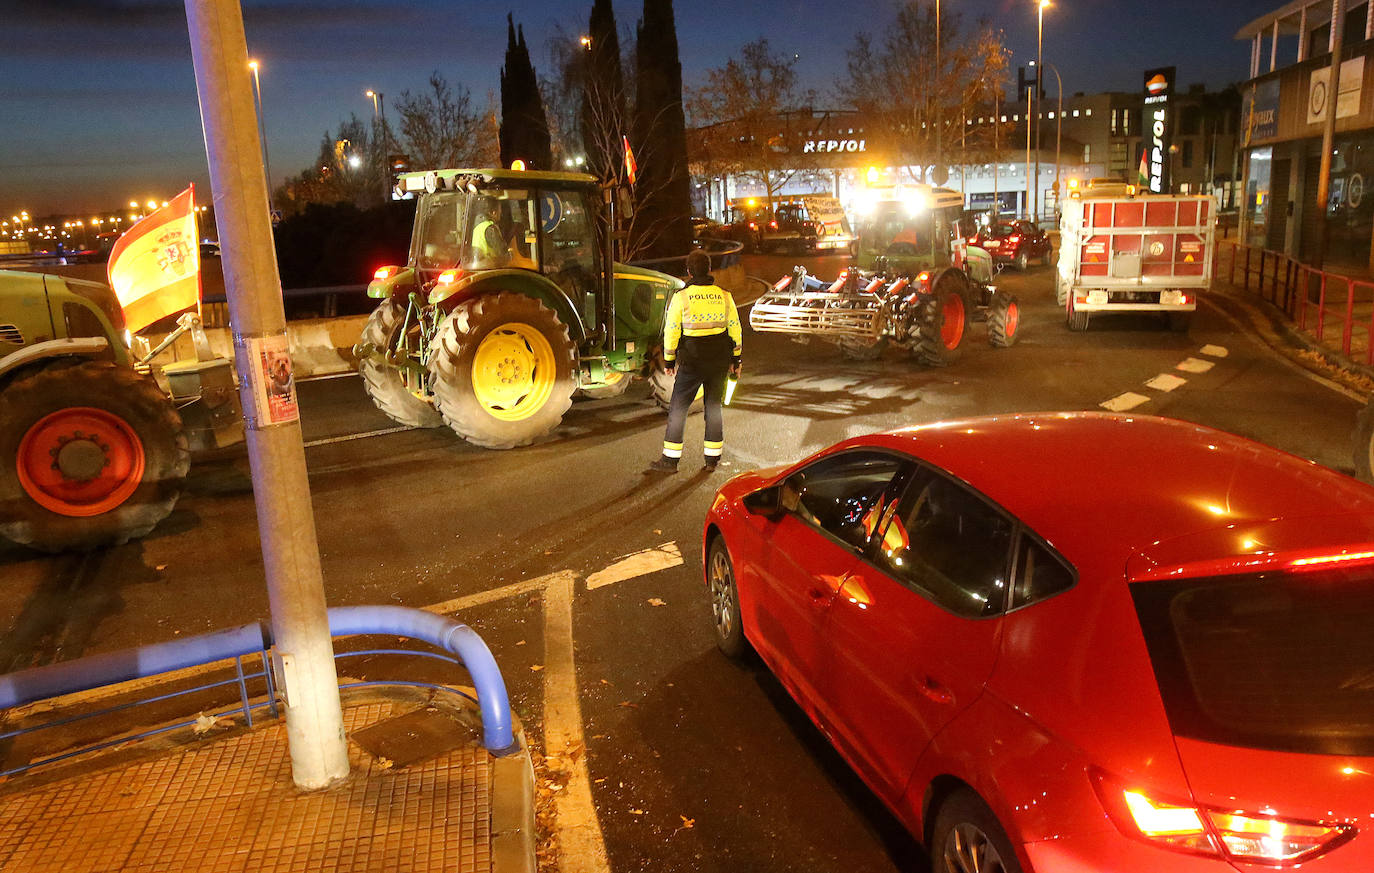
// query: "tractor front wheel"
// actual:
[[502, 367], [398, 389], [943, 325], [91, 454], [1004, 321], [858, 350]]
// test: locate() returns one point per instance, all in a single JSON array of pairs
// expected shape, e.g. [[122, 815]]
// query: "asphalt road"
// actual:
[[693, 763]]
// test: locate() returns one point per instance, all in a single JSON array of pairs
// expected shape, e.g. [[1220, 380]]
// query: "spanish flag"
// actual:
[[155, 266], [1143, 174], [631, 165]]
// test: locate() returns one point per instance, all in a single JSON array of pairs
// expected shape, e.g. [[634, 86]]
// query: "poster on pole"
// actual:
[[274, 385]]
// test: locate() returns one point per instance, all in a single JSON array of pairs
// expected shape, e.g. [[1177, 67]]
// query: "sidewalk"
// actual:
[[427, 797]]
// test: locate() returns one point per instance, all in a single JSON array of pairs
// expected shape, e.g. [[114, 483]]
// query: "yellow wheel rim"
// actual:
[[513, 372]]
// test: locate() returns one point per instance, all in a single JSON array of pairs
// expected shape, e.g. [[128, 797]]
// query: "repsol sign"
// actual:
[[1159, 84], [825, 146]]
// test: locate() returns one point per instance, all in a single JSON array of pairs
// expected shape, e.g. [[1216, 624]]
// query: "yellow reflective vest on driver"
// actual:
[[700, 310]]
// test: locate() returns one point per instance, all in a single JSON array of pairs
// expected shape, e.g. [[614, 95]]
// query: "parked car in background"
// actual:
[[1015, 242], [1072, 641]]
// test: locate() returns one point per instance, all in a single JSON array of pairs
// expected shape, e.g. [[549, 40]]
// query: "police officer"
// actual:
[[701, 344]]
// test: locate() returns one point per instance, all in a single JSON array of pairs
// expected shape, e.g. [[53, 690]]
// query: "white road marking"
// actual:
[[1166, 382], [515, 589], [639, 563], [355, 436], [1212, 351], [1123, 402], [583, 849], [1195, 365]]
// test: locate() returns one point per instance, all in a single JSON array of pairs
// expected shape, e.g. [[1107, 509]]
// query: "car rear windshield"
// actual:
[[1281, 661]]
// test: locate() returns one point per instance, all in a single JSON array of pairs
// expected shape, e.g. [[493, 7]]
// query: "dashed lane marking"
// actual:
[[1195, 365], [639, 563], [1212, 351], [1166, 382], [1123, 402], [515, 589]]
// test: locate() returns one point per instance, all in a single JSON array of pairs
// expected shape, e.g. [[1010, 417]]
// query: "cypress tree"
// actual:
[[524, 131], [603, 95], [660, 133]]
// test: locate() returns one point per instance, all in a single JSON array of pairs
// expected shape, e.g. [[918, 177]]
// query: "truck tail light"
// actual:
[[1256, 838]]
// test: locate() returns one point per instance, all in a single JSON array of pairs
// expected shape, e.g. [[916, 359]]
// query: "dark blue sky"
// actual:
[[99, 100]]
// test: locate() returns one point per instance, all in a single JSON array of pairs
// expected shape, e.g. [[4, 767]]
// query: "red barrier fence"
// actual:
[[1319, 302]]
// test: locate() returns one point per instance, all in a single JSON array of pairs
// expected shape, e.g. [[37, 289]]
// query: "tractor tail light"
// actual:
[[1236, 836], [384, 273], [448, 277]]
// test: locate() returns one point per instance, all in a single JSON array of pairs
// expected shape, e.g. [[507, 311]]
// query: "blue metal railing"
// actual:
[[251, 641]]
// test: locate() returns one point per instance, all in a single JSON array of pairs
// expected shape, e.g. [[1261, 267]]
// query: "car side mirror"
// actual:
[[765, 502]]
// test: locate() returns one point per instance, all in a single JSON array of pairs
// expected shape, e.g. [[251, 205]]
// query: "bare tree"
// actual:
[[740, 115], [919, 107], [441, 128]]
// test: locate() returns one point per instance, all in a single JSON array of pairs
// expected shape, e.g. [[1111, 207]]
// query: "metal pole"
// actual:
[[1058, 130], [276, 454], [1329, 128], [1030, 183], [996, 147], [939, 103], [1039, 72]]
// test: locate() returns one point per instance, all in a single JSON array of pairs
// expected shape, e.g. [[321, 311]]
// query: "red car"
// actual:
[[1073, 642], [1015, 242]]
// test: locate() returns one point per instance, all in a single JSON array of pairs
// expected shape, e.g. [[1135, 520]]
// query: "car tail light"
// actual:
[[1252, 837], [385, 272], [782, 283], [773, 225], [1014, 238], [753, 226]]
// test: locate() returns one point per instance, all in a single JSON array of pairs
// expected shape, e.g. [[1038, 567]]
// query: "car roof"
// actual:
[[1104, 487]]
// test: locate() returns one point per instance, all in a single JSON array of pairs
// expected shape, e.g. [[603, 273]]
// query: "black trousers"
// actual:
[[703, 364]]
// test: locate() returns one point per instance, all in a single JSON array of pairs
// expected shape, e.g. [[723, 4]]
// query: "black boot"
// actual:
[[664, 464], [712, 462]]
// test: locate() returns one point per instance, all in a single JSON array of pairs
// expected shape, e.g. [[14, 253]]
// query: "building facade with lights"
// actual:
[[1286, 101], [1097, 135]]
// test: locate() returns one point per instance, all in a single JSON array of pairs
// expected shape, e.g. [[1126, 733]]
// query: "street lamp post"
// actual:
[[262, 131], [379, 115], [1058, 129], [1039, 45]]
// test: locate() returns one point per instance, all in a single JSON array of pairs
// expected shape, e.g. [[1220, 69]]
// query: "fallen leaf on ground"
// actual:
[[384, 763], [687, 822], [204, 723], [636, 812], [521, 643], [655, 601], [629, 704], [161, 567], [536, 667]]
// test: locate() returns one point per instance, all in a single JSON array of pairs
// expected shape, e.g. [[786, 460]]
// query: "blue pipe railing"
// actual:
[[85, 674]]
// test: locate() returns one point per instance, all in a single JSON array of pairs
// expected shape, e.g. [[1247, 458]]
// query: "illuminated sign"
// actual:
[[823, 146], [1159, 84]]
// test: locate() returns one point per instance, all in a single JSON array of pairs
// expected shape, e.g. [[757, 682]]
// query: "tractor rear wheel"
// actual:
[[91, 454], [943, 325], [661, 387], [502, 368], [398, 390], [1004, 321], [616, 384]]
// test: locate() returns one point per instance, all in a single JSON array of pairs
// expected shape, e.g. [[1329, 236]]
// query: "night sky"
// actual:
[[99, 98]]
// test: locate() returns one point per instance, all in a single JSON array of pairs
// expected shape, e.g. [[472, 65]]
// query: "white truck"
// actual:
[[1150, 253]]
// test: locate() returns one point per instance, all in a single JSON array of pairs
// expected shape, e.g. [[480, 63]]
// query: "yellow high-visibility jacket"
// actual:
[[700, 310]]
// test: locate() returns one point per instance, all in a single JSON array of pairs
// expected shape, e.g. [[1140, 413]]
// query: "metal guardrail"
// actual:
[[1312, 298], [460, 645]]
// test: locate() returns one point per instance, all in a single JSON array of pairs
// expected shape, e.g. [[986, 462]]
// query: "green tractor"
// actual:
[[510, 303], [93, 452]]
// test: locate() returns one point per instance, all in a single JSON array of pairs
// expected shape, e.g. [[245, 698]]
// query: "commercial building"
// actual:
[[1286, 101], [1083, 137]]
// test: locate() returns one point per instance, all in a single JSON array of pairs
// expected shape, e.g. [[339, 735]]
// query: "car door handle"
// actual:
[[933, 690]]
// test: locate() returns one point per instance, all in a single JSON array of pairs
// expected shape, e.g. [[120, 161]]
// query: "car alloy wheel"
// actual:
[[968, 850], [725, 614]]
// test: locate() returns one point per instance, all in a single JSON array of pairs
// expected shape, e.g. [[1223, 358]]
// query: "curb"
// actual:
[[513, 836]]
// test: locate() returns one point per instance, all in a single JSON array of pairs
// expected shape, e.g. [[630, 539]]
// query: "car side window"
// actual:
[[1040, 573], [844, 494], [949, 545]]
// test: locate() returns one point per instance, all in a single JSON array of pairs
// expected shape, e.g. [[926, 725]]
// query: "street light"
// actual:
[[262, 130], [586, 42], [1058, 128], [379, 115], [1039, 44]]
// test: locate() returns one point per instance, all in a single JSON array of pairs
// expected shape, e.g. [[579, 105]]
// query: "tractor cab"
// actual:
[[911, 232], [541, 222]]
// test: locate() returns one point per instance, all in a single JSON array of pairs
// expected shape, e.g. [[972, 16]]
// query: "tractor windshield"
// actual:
[[475, 231], [893, 229]]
